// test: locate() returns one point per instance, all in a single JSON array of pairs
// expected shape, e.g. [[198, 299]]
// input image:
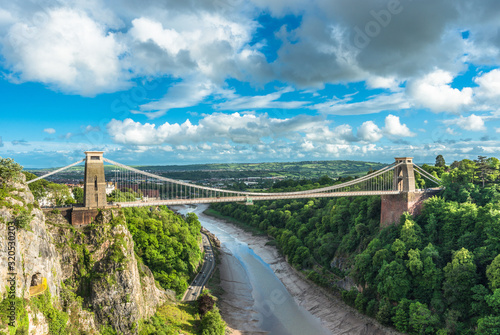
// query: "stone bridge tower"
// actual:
[[404, 177], [94, 190], [409, 200], [95, 185]]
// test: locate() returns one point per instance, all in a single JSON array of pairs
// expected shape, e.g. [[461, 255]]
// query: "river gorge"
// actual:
[[263, 294]]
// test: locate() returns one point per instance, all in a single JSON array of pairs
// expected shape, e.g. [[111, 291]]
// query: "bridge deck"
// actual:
[[253, 198]]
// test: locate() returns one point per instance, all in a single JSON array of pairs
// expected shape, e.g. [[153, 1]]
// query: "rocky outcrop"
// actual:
[[215, 241], [100, 263], [344, 264], [34, 252], [96, 263]]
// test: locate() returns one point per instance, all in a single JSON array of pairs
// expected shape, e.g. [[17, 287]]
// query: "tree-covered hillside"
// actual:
[[168, 244], [437, 273]]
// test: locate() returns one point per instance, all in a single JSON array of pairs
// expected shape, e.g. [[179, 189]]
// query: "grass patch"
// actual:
[[180, 318]]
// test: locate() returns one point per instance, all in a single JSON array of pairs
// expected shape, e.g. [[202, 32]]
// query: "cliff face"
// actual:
[[35, 254], [100, 264], [92, 273]]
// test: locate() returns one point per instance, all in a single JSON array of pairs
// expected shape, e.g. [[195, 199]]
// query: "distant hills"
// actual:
[[296, 170]]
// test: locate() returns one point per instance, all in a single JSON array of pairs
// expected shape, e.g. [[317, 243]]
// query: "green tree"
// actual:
[[37, 187], [414, 264], [479, 307], [489, 325], [410, 233], [431, 228], [360, 302], [399, 248], [482, 167], [493, 300], [494, 168], [460, 276], [385, 312], [212, 323], [493, 273], [393, 281], [440, 161], [430, 280], [400, 318], [59, 193], [422, 320], [302, 257], [78, 194]]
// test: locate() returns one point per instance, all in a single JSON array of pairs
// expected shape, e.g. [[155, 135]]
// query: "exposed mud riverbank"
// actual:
[[237, 305]]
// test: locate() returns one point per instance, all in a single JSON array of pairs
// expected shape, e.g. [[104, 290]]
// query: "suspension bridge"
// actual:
[[395, 184]]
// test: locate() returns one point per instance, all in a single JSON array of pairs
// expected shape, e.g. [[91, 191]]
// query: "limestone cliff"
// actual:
[[100, 264], [92, 273], [35, 254]]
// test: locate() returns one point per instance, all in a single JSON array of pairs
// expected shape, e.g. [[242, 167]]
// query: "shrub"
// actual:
[[212, 323], [23, 220], [9, 170]]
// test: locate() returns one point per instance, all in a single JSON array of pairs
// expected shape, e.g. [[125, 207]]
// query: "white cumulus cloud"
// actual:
[[69, 51], [489, 84], [369, 132], [433, 91], [470, 123], [245, 128], [393, 127]]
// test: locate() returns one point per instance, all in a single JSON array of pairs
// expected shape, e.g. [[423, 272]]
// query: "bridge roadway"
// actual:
[[253, 198]]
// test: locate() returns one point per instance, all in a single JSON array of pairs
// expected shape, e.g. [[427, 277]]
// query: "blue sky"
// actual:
[[181, 82]]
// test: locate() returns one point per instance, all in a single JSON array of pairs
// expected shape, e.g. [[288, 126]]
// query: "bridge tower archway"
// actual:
[[404, 176]]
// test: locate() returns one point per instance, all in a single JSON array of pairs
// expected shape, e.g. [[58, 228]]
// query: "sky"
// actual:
[[213, 81]]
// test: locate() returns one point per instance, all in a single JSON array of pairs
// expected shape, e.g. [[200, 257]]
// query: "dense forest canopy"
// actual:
[[436, 273]]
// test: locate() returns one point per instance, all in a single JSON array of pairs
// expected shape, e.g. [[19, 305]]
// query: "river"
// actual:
[[261, 296]]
